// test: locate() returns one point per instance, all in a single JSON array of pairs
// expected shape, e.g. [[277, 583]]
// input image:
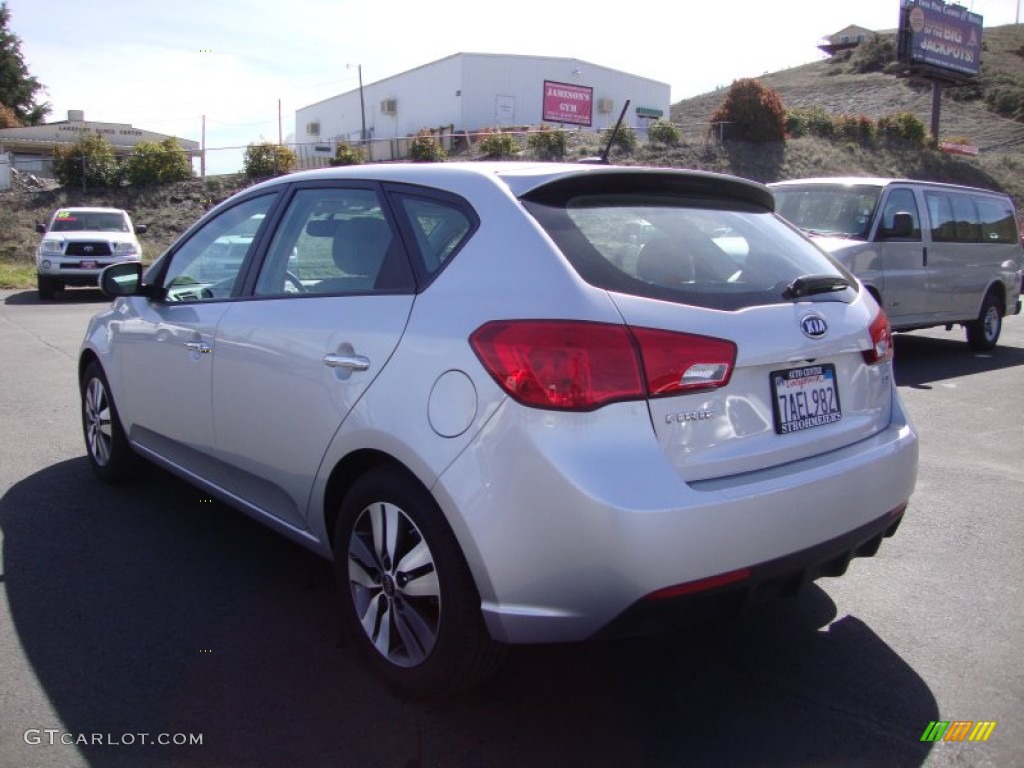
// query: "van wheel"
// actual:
[[983, 333], [407, 597]]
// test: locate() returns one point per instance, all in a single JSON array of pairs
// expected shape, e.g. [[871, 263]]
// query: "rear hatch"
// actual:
[[772, 353]]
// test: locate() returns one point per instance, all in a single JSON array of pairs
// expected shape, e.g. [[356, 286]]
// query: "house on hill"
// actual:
[[845, 39]]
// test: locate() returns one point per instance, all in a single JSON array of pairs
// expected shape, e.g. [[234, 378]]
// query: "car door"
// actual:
[[325, 313], [909, 290], [167, 344]]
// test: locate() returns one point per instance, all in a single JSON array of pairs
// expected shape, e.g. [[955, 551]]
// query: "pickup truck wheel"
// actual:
[[46, 287]]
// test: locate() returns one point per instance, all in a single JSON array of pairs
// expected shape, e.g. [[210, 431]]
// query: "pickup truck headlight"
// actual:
[[126, 250], [52, 247]]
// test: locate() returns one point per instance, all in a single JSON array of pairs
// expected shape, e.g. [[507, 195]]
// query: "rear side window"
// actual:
[[440, 227], [998, 222], [957, 217], [714, 254]]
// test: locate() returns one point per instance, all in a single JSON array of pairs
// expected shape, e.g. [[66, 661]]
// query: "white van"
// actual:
[[931, 254]]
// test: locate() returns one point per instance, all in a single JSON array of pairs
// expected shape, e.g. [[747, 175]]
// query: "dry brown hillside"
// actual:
[[825, 84]]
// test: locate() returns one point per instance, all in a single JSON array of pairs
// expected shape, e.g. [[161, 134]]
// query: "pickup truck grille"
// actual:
[[88, 249]]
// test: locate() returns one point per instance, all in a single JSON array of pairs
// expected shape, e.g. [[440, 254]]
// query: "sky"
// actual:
[[164, 66]]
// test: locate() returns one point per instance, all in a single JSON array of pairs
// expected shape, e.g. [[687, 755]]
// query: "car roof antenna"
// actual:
[[603, 159]]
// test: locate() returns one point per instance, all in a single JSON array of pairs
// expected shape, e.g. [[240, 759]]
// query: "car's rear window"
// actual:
[[718, 254]]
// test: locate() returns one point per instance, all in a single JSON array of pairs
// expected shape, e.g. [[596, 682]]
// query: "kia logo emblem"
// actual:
[[813, 326]]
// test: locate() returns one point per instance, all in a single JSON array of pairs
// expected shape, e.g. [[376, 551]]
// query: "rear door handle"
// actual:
[[351, 362], [198, 346]]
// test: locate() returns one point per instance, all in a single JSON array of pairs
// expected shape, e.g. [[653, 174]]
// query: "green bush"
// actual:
[[549, 143], [625, 139], [496, 145], [264, 159], [809, 121], [663, 131], [874, 55], [1007, 100], [424, 148], [903, 127], [89, 162], [154, 163], [346, 154], [751, 112], [857, 128]]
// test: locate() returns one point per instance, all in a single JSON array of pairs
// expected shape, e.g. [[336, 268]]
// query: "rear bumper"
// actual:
[[589, 518], [782, 577]]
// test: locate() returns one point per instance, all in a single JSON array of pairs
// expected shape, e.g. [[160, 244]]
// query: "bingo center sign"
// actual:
[[567, 103]]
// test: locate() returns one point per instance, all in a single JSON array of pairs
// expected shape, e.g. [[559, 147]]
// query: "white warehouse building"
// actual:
[[469, 92]]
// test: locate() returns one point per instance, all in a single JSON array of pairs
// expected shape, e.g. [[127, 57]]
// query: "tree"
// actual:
[[752, 112], [89, 162], [263, 159], [161, 163], [17, 88]]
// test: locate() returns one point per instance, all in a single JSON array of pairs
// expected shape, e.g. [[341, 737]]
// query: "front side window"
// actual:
[[900, 201], [677, 250], [337, 241], [208, 264]]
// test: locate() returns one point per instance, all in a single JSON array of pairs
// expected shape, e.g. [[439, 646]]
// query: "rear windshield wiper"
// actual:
[[808, 285]]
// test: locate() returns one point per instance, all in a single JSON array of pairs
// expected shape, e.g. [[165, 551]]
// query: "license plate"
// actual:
[[805, 397], [87, 265]]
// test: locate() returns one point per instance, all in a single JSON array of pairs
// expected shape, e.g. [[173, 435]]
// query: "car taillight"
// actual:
[[881, 340], [573, 365]]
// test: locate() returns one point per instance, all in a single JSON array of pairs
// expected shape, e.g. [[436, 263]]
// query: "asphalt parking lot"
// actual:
[[140, 614]]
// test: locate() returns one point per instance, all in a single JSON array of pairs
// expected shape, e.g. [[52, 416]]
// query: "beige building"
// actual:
[[30, 149]]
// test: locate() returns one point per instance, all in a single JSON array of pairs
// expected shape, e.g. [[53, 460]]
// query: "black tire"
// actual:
[[421, 629], [47, 287], [983, 333], [109, 452]]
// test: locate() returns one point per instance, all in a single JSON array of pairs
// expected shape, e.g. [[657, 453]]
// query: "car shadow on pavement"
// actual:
[[147, 608], [922, 360], [67, 296]]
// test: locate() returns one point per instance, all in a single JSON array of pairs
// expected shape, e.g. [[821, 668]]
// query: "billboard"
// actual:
[[567, 103], [940, 36]]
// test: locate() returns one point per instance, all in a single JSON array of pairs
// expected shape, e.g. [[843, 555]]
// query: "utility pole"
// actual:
[[362, 107], [202, 150], [280, 139]]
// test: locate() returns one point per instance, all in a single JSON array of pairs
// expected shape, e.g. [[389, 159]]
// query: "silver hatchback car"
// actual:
[[513, 403]]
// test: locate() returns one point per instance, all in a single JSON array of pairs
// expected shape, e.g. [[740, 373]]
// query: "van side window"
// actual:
[[900, 201], [954, 218], [998, 224]]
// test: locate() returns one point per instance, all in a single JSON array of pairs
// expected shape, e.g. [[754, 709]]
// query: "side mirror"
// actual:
[[122, 279], [902, 225], [40, 228], [140, 229]]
